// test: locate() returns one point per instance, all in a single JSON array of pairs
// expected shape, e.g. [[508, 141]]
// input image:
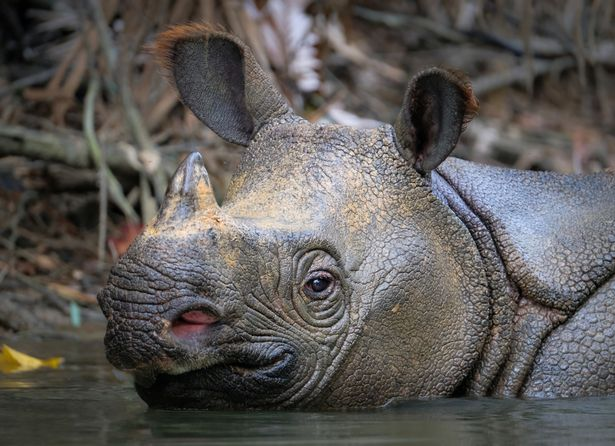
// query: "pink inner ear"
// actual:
[[192, 323]]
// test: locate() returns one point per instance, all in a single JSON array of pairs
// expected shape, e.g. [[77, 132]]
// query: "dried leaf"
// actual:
[[71, 294], [340, 116], [45, 262], [12, 361], [120, 244], [290, 41]]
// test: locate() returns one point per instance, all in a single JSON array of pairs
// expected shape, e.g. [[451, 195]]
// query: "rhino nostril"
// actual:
[[192, 323]]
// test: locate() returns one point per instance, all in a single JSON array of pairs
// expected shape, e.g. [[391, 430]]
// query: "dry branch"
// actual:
[[115, 188], [64, 148], [519, 75]]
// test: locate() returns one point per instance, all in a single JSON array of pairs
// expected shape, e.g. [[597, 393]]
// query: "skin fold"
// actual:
[[354, 268]]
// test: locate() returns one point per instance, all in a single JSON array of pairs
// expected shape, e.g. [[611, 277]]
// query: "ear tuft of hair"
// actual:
[[163, 48], [465, 87]]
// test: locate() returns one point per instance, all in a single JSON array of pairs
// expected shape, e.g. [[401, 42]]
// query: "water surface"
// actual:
[[86, 403]]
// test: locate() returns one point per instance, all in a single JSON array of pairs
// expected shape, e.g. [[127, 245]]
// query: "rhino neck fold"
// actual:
[[504, 294]]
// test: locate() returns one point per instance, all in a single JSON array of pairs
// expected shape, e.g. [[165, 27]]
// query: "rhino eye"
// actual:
[[319, 285]]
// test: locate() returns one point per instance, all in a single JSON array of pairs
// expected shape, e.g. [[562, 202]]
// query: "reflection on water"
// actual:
[[86, 403]]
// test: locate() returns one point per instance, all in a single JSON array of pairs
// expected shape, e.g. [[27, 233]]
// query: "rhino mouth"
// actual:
[[245, 377], [193, 323]]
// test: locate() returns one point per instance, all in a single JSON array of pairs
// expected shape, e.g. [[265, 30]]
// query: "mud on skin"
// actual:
[[348, 268]]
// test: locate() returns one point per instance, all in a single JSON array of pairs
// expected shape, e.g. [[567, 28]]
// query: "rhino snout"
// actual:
[[140, 338]]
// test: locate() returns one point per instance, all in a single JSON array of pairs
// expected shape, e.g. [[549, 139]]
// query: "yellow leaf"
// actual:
[[12, 361]]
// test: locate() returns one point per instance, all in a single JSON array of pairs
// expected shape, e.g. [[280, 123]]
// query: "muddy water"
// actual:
[[86, 403]]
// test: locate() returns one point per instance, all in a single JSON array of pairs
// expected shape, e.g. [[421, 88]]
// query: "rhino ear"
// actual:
[[437, 106], [219, 80]]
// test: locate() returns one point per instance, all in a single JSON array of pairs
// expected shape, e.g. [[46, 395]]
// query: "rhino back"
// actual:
[[555, 233]]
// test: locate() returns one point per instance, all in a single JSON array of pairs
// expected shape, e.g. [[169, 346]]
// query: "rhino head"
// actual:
[[331, 276]]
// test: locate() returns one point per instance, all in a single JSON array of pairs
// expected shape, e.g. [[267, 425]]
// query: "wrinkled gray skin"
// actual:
[[442, 278]]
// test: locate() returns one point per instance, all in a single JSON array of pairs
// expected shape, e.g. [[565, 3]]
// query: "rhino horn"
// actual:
[[190, 190]]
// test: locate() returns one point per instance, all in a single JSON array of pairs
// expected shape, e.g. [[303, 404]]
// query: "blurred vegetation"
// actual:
[[90, 132]]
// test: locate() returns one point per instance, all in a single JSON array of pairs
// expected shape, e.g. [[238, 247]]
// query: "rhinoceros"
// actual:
[[352, 268]]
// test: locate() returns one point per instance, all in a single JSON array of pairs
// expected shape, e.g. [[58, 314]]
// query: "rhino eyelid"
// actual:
[[320, 271], [312, 250]]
